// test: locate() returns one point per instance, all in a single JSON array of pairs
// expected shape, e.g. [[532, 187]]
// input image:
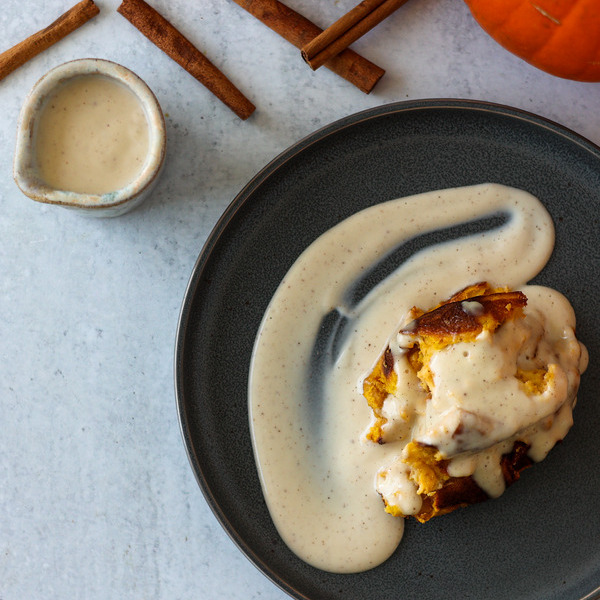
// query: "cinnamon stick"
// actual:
[[299, 31], [347, 30], [18, 55], [173, 43]]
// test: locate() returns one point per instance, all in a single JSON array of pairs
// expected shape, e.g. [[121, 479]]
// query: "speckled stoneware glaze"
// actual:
[[541, 539], [110, 204]]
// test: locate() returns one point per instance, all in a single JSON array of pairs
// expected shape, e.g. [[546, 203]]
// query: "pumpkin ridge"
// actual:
[[554, 31], [561, 37], [548, 47]]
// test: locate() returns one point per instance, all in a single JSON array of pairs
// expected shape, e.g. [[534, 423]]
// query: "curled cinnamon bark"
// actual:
[[299, 31], [173, 43], [18, 55], [346, 30]]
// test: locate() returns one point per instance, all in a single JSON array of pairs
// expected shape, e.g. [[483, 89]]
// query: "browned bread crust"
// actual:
[[459, 492]]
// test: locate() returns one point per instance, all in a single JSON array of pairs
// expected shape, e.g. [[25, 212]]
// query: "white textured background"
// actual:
[[97, 499]]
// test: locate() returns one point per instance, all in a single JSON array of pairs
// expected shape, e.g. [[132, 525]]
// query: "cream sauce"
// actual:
[[92, 136], [316, 470], [478, 406], [466, 373]]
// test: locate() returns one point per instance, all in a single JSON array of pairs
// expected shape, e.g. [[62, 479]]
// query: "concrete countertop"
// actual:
[[97, 499]]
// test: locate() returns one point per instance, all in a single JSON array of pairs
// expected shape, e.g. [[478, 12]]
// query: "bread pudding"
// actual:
[[472, 392]]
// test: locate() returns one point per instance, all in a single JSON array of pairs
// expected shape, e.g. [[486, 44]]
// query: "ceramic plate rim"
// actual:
[[228, 215]]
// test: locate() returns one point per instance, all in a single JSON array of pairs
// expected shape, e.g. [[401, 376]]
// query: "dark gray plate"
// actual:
[[541, 539]]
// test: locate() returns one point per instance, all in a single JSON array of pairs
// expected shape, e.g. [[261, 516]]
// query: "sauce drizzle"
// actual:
[[317, 473]]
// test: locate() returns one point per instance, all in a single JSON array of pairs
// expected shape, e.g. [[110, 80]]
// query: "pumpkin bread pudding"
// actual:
[[472, 392]]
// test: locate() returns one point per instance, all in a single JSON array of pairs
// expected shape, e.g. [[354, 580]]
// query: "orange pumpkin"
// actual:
[[561, 37]]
